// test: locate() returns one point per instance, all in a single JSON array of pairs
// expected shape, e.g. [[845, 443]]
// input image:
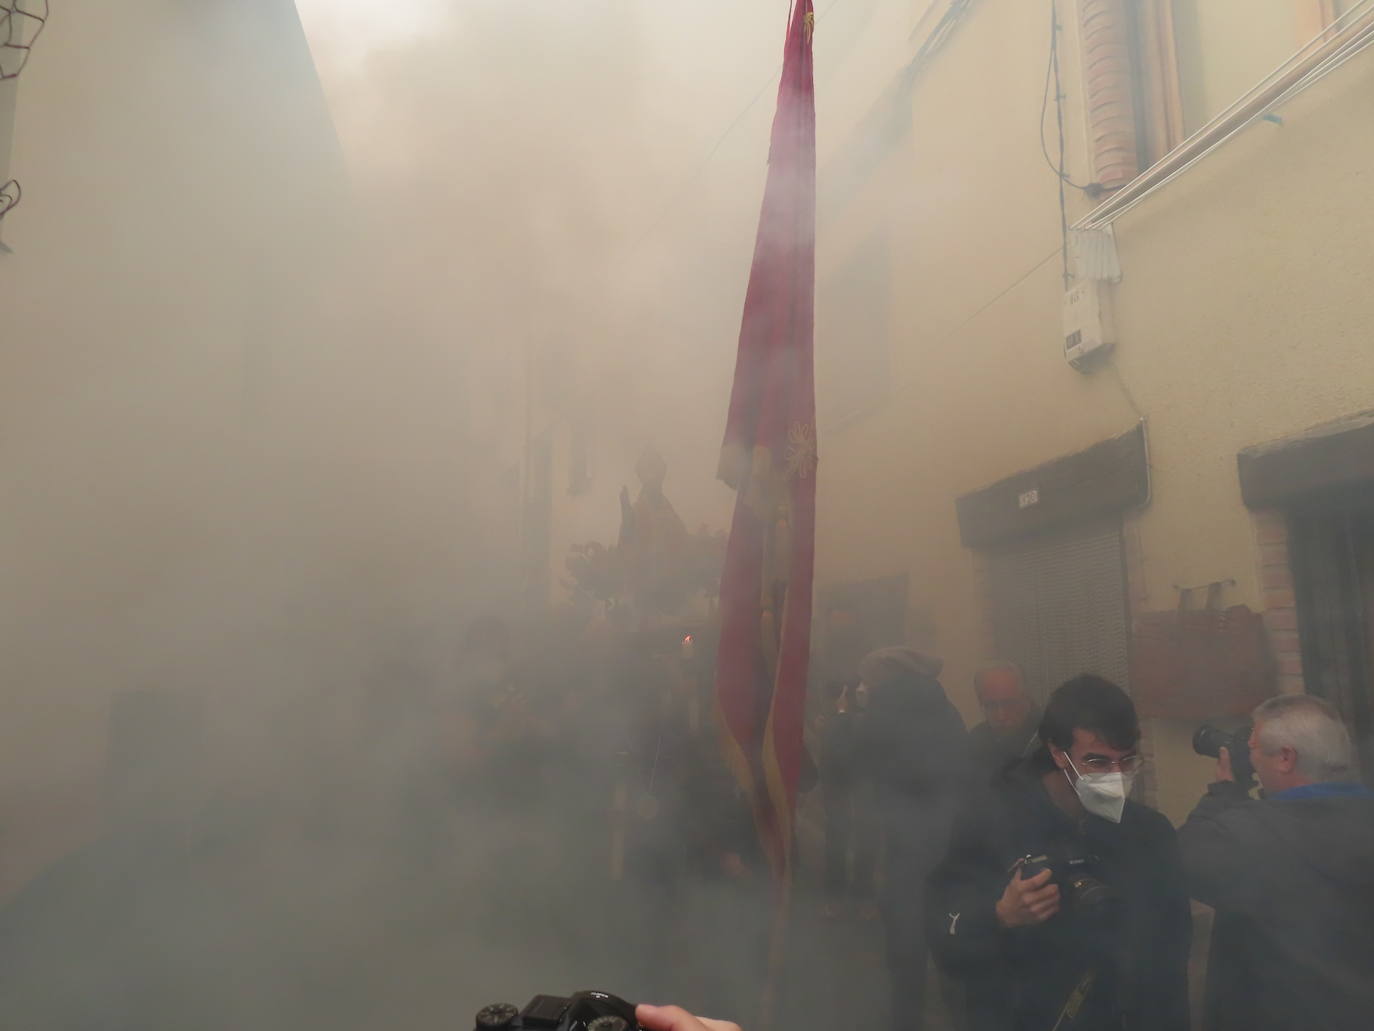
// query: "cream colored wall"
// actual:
[[1262, 253], [1242, 317], [159, 318], [979, 386]]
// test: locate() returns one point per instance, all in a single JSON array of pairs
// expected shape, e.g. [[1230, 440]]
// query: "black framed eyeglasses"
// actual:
[[1127, 764]]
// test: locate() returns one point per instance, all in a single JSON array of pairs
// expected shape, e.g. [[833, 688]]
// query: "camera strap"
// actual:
[[1068, 1014]]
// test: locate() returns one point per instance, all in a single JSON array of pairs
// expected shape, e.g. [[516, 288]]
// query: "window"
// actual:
[[1226, 47], [1133, 110], [1314, 15], [1331, 543], [1154, 57]]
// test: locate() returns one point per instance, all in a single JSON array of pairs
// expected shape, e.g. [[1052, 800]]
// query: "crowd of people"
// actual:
[[1052, 898], [559, 817], [544, 811]]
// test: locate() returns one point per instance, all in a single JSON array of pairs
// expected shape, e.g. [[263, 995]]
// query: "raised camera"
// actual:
[[1232, 735], [582, 1011]]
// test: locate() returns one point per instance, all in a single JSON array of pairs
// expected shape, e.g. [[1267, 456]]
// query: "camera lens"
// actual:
[[1090, 893], [496, 1016], [1209, 741]]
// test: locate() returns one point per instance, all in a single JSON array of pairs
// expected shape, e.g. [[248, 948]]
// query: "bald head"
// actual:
[[1001, 691]]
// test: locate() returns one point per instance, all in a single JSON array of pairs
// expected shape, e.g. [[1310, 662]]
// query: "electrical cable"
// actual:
[[19, 30], [951, 335], [1052, 69], [1064, 180], [10, 196], [999, 295], [1116, 376]]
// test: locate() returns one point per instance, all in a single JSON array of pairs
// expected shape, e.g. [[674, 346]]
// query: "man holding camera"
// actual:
[[1291, 877], [1061, 903]]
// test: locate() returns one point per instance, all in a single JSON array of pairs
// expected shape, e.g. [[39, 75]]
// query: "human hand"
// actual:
[[675, 1018], [1224, 771], [1028, 901]]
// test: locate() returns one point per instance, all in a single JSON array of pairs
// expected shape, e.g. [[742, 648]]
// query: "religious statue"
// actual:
[[657, 572]]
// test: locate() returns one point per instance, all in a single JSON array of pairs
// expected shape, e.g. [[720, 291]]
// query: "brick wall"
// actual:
[[1277, 601]]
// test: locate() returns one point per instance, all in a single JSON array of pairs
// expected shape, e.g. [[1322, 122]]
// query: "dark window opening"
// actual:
[[1331, 546]]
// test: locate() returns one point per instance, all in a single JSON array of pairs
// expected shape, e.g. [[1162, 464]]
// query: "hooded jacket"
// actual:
[[913, 747], [1292, 881]]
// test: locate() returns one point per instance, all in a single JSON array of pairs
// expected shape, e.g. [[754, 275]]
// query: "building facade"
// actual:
[[169, 312], [1214, 461]]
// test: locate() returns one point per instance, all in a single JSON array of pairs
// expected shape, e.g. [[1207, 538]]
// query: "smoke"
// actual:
[[536, 172], [268, 381]]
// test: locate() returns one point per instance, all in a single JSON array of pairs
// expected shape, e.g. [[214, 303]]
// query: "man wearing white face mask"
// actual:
[[1061, 903]]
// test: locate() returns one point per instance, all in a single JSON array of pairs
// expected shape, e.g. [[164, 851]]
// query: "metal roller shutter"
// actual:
[[1058, 606]]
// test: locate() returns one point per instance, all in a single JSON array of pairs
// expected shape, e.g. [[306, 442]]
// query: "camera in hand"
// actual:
[[1080, 883], [583, 1011], [1232, 735]]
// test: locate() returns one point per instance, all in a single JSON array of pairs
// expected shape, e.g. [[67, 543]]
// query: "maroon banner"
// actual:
[[769, 457]]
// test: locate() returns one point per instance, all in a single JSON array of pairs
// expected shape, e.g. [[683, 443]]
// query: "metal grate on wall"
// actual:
[[1058, 606]]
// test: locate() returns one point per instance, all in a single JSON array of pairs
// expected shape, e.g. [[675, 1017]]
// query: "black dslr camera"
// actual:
[[1077, 874], [584, 1011], [1232, 735]]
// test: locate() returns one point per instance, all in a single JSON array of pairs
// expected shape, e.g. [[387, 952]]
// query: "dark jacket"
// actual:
[[696, 812], [912, 746], [993, 752], [1292, 880], [1135, 950], [838, 748]]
